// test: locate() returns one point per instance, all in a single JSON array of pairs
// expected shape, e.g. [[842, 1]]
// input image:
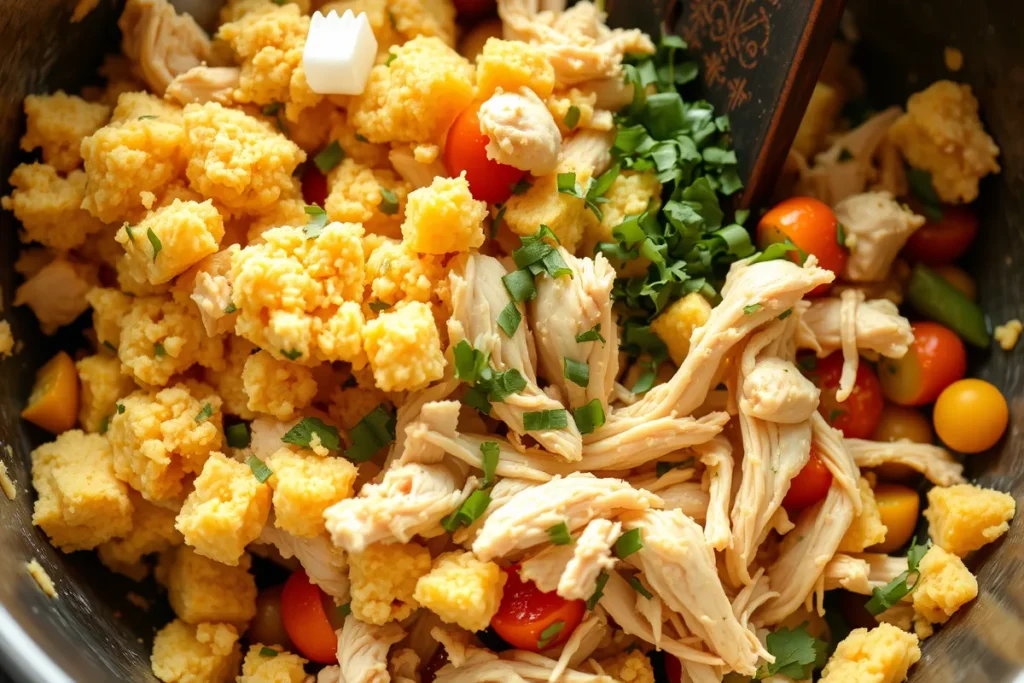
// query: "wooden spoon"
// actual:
[[759, 62]]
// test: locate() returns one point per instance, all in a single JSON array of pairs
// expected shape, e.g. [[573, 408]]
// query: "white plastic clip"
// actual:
[[339, 53]]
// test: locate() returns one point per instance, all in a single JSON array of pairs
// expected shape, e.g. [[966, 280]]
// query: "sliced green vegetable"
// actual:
[[259, 469], [888, 595], [545, 419], [490, 452], [509, 319], [602, 580], [639, 587], [302, 434], [589, 417], [205, 413], [154, 241], [373, 432], [559, 534], [593, 334], [468, 512], [388, 201], [664, 467], [576, 372], [329, 157], [629, 543], [572, 117], [934, 298], [237, 435], [549, 634]]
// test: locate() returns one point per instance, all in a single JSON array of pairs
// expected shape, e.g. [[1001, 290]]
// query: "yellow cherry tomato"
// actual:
[[898, 506], [970, 415], [959, 279], [897, 423], [53, 403]]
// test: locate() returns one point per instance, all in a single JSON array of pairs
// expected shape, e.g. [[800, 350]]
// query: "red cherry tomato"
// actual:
[[936, 359], [809, 486], [526, 612], [314, 186], [673, 669], [472, 9], [810, 225], [943, 241], [306, 620], [465, 150], [857, 417]]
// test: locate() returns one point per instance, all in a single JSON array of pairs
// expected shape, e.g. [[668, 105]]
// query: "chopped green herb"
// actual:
[[259, 469], [509, 319], [645, 381], [835, 414], [317, 221], [559, 534], [663, 468], [786, 313], [105, 424], [576, 372], [593, 334], [120, 408], [589, 416], [388, 202], [519, 284], [269, 651], [329, 157], [629, 543], [302, 434], [391, 57], [593, 194], [572, 117], [489, 386], [375, 431], [521, 187], [361, 138], [888, 595], [345, 610], [537, 256], [549, 634], [845, 154], [634, 581], [230, 308], [378, 306], [490, 452], [158, 350], [602, 580], [797, 653], [205, 413], [154, 241], [468, 512], [237, 435], [840, 234], [924, 191], [292, 354], [130, 232], [752, 308], [779, 250], [110, 347], [545, 419]]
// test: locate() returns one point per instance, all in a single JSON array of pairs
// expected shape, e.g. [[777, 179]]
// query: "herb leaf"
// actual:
[[388, 201], [373, 432], [639, 587], [205, 413], [302, 434], [468, 512], [158, 350], [797, 653], [602, 580], [921, 187], [666, 466], [576, 372], [593, 334], [888, 595], [549, 634], [329, 157], [559, 534], [154, 241], [589, 417], [629, 543], [572, 117], [490, 452], [509, 319], [259, 469], [268, 652], [545, 419]]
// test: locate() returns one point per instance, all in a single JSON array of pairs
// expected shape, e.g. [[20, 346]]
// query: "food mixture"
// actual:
[[479, 355]]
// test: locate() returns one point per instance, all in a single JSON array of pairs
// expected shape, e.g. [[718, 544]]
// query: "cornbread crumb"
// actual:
[[37, 572], [1008, 334], [6, 485], [954, 58]]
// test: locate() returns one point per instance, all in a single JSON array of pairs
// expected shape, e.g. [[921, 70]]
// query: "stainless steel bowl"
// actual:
[[93, 632]]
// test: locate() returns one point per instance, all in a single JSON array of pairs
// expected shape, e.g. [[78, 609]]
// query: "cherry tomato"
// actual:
[[471, 9], [959, 279], [939, 242], [898, 506], [857, 416], [314, 186], [465, 150], [935, 360], [306, 620], [811, 226], [267, 627], [673, 669], [970, 415], [526, 612], [899, 422], [809, 486]]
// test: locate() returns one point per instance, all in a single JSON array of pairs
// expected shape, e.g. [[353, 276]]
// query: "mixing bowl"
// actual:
[[100, 630]]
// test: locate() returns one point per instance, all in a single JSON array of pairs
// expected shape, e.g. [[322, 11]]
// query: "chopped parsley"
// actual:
[[535, 256], [541, 420], [329, 157], [105, 424], [268, 651], [593, 334], [752, 308], [602, 580], [146, 117], [779, 250], [634, 581], [317, 221], [785, 314], [888, 595], [154, 241], [519, 284], [840, 234], [375, 431], [572, 117], [593, 194], [120, 408], [259, 469], [345, 610], [628, 543], [589, 416], [237, 435], [110, 347], [378, 306], [302, 434], [205, 413], [559, 534], [490, 452], [391, 57], [468, 512], [487, 385], [158, 350], [230, 308], [509, 319], [388, 201], [576, 372], [835, 414], [797, 653]]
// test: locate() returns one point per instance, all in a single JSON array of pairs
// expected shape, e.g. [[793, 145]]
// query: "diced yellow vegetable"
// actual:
[[53, 403], [898, 507]]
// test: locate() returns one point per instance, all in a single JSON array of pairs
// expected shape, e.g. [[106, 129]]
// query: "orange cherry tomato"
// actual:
[[810, 225], [857, 417], [809, 486], [472, 9], [526, 612], [465, 150], [306, 621], [936, 359], [944, 241], [314, 186]]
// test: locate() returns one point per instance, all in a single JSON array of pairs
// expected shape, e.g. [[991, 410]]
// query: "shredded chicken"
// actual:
[[520, 131], [514, 666], [647, 441], [567, 307], [576, 42], [478, 297], [849, 301], [934, 462], [879, 328], [325, 565], [202, 84], [690, 498], [862, 572], [523, 521], [587, 151], [680, 567], [363, 650], [583, 642], [160, 43], [776, 391], [877, 227], [404, 666], [572, 570], [413, 171], [718, 461]]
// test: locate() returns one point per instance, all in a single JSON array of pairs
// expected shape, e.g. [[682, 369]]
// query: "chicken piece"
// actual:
[[934, 462], [363, 650], [208, 284], [478, 296], [410, 499], [963, 518], [576, 499], [414, 171], [478, 664], [882, 655], [576, 42], [845, 168], [520, 131], [879, 328], [545, 568], [161, 43], [593, 632], [57, 293], [404, 666], [775, 286], [565, 308], [866, 529], [775, 391], [619, 599], [690, 497], [680, 567], [861, 572], [645, 442], [183, 653], [325, 565], [202, 84], [877, 227], [807, 548], [572, 570], [942, 134], [588, 154], [717, 457]]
